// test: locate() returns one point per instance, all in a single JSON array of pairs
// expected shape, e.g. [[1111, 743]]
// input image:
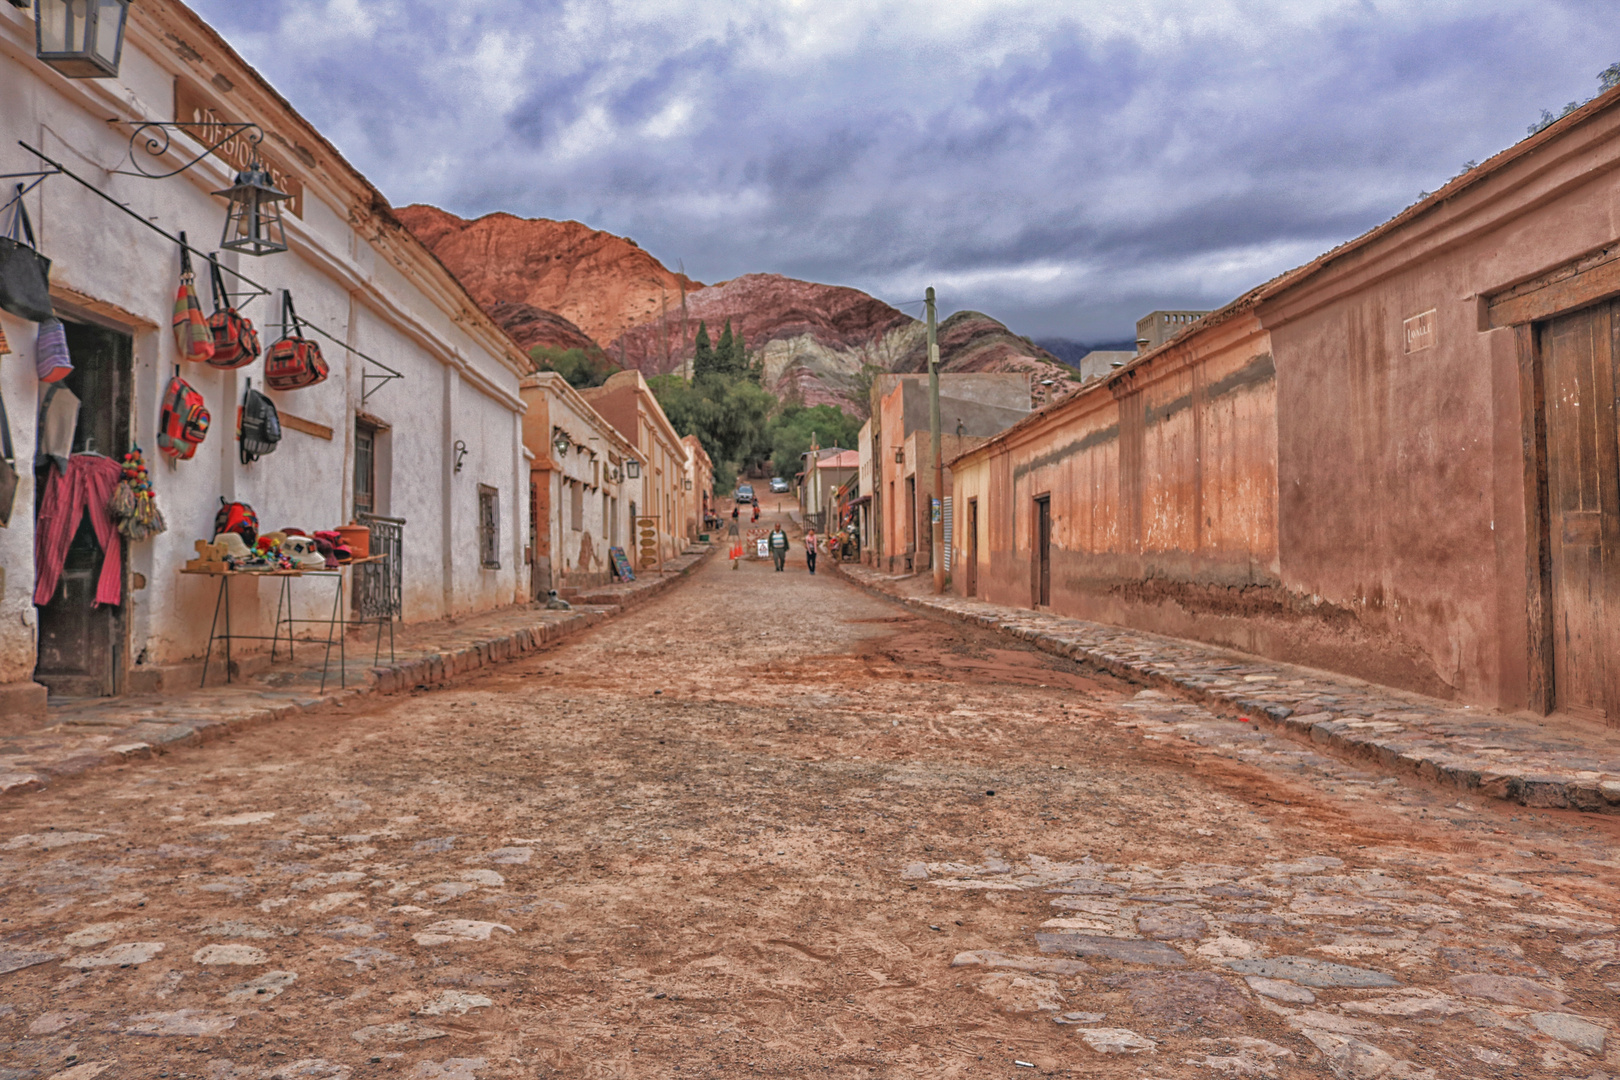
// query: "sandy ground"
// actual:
[[769, 825]]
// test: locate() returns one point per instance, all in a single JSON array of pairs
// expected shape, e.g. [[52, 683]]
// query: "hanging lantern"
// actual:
[[632, 469], [560, 442], [83, 39], [253, 219]]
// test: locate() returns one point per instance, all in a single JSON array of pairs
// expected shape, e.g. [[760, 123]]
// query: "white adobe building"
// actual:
[[421, 421]]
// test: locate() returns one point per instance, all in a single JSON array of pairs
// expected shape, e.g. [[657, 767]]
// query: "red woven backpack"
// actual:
[[236, 343], [294, 361]]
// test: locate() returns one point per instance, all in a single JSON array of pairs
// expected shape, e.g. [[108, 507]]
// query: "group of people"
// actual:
[[777, 542], [778, 547]]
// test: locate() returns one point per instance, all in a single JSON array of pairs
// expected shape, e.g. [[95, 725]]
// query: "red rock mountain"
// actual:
[[600, 283], [561, 284]]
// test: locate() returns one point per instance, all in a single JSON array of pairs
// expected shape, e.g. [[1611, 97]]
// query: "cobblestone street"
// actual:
[[773, 825]]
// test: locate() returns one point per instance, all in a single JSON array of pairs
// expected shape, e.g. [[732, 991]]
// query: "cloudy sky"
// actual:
[[1065, 165]]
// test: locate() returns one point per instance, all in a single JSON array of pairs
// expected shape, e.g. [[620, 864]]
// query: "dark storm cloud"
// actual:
[[1063, 169]]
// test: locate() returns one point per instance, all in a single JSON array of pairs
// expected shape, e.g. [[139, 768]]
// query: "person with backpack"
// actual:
[[778, 545]]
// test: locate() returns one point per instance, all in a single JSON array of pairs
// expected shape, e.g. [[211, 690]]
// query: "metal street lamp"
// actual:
[[82, 39], [253, 218], [560, 442], [632, 469]]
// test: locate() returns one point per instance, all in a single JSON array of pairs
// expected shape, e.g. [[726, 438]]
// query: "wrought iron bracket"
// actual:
[[158, 141], [38, 176]]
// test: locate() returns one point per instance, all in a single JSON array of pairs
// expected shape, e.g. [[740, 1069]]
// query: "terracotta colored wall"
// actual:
[[1163, 493], [1403, 497]]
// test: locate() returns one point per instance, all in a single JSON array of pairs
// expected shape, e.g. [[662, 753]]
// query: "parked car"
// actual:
[[745, 493], [779, 486]]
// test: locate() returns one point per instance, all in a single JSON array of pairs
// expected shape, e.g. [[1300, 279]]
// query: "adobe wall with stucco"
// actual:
[[1162, 488], [1403, 502]]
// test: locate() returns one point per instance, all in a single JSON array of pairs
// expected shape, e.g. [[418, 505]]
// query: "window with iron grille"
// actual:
[[365, 468], [489, 527]]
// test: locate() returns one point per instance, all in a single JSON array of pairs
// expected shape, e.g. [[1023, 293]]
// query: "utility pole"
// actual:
[[937, 509]]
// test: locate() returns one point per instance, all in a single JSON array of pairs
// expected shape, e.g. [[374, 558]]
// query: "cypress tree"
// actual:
[[733, 353], [704, 359]]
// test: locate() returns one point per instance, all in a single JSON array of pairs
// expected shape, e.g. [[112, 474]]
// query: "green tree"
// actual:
[[729, 415], [581, 367], [794, 427], [705, 361]]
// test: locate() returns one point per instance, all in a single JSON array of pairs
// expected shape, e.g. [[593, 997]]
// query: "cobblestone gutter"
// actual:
[[89, 733], [1491, 753]]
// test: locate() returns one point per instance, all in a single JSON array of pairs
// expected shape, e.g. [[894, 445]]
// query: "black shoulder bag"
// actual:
[[25, 274]]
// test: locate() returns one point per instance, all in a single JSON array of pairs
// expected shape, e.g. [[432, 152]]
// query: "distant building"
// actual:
[[578, 493], [972, 406], [1101, 362], [1158, 327], [658, 494]]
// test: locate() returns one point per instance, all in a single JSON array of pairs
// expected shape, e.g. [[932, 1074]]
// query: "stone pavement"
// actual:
[[85, 733], [1475, 749]]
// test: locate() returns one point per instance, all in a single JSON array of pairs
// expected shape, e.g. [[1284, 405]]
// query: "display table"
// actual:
[[284, 604]]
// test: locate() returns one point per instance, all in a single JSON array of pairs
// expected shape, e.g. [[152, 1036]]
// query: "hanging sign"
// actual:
[[190, 107]]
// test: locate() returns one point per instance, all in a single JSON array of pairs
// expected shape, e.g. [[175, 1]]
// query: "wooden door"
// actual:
[[973, 547], [1043, 551], [1583, 511], [81, 647]]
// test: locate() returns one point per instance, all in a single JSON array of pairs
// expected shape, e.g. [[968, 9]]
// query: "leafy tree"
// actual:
[[793, 428], [705, 361], [729, 415], [733, 352], [581, 367]]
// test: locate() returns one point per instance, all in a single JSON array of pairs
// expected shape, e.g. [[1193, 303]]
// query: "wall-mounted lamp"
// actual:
[[253, 218], [82, 39], [460, 450], [560, 441], [632, 469], [899, 455], [688, 485]]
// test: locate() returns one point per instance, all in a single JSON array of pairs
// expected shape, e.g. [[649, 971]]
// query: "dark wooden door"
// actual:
[[81, 646], [1583, 512], [1043, 550], [973, 547]]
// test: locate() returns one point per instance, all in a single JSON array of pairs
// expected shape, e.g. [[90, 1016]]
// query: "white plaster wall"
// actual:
[[455, 384]]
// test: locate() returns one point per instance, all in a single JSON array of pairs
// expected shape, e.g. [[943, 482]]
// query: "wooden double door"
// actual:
[[1581, 518]]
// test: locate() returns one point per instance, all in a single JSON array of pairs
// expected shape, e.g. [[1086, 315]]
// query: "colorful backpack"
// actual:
[[183, 420], [258, 426], [236, 343], [295, 361], [239, 518]]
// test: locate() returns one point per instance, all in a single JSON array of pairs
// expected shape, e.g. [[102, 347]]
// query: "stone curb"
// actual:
[[1410, 750], [147, 740]]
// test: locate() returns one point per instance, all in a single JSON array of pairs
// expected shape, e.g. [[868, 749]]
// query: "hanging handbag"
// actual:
[[295, 361], [236, 343], [191, 331], [258, 426], [8, 468], [51, 360], [25, 274]]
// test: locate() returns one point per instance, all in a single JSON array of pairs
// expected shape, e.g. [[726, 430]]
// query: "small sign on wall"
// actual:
[[1420, 332]]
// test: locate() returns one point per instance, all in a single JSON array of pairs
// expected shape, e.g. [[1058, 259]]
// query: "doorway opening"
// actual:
[[82, 645], [973, 547], [1043, 551]]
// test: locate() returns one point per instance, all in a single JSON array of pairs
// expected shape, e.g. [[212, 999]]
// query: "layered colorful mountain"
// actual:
[[564, 285]]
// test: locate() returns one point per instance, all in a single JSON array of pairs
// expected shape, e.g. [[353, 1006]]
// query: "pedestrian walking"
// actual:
[[778, 547], [756, 512], [810, 550]]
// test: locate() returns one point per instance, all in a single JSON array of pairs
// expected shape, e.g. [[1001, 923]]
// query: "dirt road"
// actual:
[[771, 826]]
